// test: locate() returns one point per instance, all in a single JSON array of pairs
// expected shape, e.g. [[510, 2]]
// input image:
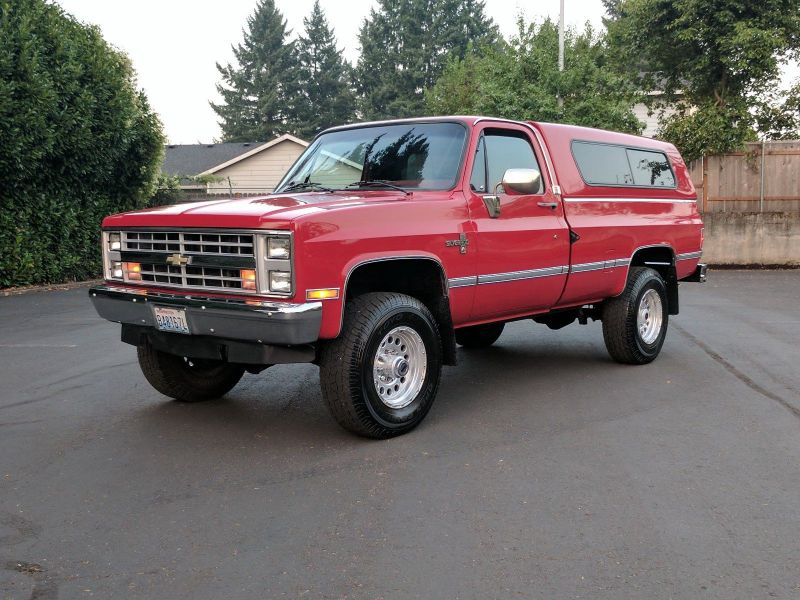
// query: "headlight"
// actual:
[[111, 246], [275, 273], [280, 281], [278, 247]]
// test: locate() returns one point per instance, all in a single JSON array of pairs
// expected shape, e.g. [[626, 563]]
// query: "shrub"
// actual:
[[78, 141]]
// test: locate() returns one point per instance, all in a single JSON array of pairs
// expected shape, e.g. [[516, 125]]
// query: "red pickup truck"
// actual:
[[388, 244]]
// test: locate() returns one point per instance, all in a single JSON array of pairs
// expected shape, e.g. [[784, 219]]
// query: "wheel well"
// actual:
[[661, 259], [421, 278]]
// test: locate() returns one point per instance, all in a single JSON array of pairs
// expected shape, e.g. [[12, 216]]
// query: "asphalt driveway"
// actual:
[[544, 470]]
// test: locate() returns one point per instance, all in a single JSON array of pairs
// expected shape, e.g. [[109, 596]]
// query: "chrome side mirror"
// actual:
[[522, 181]]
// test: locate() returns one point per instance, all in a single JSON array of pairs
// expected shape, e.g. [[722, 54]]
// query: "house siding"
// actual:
[[652, 121], [259, 173]]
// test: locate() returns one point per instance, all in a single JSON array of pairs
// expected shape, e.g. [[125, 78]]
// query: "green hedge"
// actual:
[[77, 142]]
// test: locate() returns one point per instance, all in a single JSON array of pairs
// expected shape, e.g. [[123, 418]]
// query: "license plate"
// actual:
[[171, 319]]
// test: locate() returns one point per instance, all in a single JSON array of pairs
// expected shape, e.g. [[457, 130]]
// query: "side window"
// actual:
[[507, 150], [607, 164], [650, 168], [602, 164], [478, 180]]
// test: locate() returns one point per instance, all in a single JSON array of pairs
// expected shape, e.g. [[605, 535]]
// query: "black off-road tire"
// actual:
[[620, 331], [346, 365], [186, 379], [479, 336]]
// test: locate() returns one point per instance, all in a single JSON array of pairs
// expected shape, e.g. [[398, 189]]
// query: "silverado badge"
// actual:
[[462, 242]]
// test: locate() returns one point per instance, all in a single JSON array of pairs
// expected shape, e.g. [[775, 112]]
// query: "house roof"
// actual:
[[193, 159], [255, 150]]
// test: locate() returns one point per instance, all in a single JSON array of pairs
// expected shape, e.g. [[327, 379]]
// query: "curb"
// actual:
[[52, 287]]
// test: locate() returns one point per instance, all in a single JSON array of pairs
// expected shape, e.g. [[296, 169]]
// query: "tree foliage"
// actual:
[[168, 190], [521, 80], [716, 60], [259, 93], [78, 141], [405, 45], [325, 96]]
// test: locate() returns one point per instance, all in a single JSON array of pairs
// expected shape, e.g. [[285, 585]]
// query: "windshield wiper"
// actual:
[[378, 183], [301, 185]]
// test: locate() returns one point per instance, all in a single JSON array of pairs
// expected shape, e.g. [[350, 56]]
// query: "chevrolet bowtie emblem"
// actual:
[[462, 242], [177, 260]]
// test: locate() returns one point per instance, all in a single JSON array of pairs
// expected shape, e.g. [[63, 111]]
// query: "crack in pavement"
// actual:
[[728, 366]]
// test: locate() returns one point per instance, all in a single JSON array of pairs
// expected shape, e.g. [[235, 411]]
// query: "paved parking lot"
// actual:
[[544, 469]]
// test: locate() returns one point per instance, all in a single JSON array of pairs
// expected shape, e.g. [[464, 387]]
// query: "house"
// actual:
[[653, 113], [234, 167]]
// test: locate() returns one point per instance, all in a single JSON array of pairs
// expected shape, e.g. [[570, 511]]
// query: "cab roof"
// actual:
[[550, 131]]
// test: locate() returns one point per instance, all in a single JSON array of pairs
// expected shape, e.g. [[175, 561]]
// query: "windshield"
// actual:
[[423, 156]]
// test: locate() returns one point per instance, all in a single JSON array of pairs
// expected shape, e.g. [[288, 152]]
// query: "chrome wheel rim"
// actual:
[[650, 316], [399, 367]]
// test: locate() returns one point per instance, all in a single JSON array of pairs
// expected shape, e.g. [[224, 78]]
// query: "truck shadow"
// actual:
[[283, 405]]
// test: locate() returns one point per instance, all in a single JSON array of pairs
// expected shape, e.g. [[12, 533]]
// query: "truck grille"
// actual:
[[200, 260], [190, 276], [184, 242]]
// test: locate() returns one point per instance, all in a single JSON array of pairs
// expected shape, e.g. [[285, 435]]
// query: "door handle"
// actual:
[[548, 204]]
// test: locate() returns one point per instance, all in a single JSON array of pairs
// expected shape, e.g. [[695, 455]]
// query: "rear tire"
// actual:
[[187, 379], [479, 336], [635, 323], [379, 378]]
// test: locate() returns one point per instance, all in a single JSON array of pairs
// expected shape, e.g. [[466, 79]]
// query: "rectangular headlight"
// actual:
[[280, 281], [278, 248], [114, 241]]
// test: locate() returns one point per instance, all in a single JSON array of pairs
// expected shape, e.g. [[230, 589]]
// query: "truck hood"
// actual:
[[274, 210]]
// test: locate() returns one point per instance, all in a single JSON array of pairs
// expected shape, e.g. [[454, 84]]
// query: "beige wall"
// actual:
[[260, 172], [770, 238]]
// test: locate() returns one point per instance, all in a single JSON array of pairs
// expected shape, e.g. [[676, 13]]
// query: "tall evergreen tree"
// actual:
[[405, 45], [325, 97], [258, 93]]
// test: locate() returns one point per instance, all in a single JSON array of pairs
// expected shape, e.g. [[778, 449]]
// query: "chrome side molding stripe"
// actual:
[[518, 275], [457, 282], [646, 200], [592, 266], [612, 263]]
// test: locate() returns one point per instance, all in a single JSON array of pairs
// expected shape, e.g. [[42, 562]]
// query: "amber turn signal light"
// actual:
[[323, 294], [248, 279], [133, 271]]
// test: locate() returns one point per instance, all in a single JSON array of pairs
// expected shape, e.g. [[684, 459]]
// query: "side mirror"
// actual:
[[522, 181]]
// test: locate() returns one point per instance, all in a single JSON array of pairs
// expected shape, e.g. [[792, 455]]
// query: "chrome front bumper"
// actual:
[[257, 321]]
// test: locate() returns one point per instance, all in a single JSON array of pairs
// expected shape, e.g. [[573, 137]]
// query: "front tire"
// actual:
[[380, 376], [187, 379], [635, 323]]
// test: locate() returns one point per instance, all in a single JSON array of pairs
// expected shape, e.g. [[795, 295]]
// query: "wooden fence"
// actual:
[[765, 177]]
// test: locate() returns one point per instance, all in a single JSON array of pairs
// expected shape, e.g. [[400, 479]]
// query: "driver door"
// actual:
[[523, 252]]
